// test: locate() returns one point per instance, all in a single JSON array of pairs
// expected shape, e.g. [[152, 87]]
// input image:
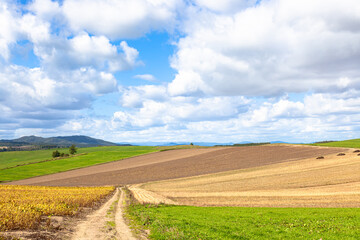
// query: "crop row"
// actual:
[[21, 207]]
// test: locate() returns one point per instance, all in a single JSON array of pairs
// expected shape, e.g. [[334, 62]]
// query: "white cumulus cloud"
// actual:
[[121, 18], [269, 49]]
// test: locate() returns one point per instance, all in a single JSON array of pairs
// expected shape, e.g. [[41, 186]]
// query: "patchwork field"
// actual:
[[179, 163], [226, 177], [330, 182], [25, 164], [242, 198]]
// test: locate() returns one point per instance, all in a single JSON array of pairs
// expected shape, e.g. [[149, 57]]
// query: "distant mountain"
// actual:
[[79, 141], [160, 144], [205, 144], [278, 142]]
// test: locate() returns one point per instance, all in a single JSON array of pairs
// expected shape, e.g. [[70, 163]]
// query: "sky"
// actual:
[[181, 70]]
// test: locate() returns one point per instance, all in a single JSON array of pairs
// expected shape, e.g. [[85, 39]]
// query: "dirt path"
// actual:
[[122, 229], [100, 224]]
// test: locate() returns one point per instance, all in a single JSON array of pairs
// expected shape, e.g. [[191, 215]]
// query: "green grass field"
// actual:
[[352, 143], [11, 159], [95, 155], [186, 222]]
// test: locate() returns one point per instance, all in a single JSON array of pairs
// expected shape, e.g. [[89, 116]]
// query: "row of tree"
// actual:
[[72, 151]]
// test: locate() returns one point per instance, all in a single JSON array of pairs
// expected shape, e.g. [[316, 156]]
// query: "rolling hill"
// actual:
[[60, 141]]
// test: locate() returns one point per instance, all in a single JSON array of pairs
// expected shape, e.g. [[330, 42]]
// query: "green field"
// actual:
[[353, 143], [11, 159], [186, 222], [94, 155]]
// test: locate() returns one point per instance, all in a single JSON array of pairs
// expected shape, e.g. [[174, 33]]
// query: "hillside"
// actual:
[[174, 164], [60, 141], [351, 143], [25, 164], [331, 181]]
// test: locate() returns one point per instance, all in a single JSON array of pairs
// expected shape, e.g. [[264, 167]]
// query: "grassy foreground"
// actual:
[[186, 222], [352, 143], [95, 155]]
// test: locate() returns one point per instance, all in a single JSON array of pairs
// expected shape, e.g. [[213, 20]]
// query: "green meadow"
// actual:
[[9, 161], [353, 143], [187, 222]]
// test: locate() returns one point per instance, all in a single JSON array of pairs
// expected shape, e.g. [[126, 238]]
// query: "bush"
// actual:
[[72, 149], [56, 154]]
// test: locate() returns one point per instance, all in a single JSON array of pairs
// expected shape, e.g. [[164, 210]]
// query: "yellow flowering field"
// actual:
[[21, 207]]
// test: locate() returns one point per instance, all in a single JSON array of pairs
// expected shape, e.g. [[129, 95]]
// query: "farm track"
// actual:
[[178, 164], [94, 225]]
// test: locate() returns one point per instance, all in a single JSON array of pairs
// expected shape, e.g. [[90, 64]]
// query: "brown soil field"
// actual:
[[179, 163], [330, 182]]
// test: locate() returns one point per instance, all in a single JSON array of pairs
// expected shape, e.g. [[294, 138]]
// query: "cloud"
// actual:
[[146, 77], [121, 19], [225, 5], [45, 9], [16, 27], [72, 71], [227, 119], [86, 51], [134, 97], [153, 106], [270, 49], [58, 49], [282, 119], [9, 28], [31, 97], [236, 63]]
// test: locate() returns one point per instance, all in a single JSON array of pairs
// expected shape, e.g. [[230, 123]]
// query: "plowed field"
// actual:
[[178, 164], [330, 182]]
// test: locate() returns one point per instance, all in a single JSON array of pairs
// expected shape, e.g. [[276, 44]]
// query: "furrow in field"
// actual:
[[330, 182]]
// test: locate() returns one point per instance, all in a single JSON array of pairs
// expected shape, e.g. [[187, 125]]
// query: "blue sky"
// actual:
[[174, 70]]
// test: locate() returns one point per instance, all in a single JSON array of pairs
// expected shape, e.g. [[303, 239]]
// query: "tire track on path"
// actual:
[[95, 224], [122, 229]]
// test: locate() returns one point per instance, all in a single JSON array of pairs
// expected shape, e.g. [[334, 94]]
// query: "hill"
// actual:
[[17, 165], [60, 141], [172, 164]]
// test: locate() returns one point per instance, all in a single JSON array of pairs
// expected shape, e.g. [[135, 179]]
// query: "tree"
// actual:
[[191, 144], [72, 149], [56, 154]]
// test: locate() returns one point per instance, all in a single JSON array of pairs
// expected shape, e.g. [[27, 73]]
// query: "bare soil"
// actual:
[[178, 164], [143, 196], [330, 182], [98, 224]]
